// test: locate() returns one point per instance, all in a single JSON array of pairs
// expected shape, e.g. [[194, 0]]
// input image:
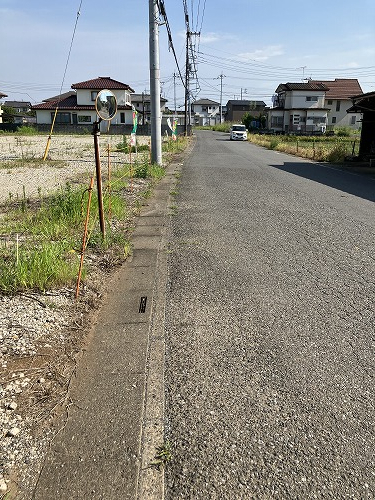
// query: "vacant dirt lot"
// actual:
[[69, 158], [41, 335]]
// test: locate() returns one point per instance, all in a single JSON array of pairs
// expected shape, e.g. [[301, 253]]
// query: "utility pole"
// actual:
[[155, 83], [187, 69], [174, 94], [221, 96], [187, 91]]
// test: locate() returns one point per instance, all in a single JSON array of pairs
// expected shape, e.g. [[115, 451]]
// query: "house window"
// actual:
[[312, 98], [204, 109], [330, 102], [84, 119], [338, 106], [61, 117], [122, 117], [319, 119], [94, 93], [333, 119], [296, 119], [353, 119], [276, 121]]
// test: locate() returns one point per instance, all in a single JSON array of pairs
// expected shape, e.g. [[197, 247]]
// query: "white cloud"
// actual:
[[210, 37], [262, 54]]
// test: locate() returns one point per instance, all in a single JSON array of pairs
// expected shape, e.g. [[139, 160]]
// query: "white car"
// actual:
[[238, 132]]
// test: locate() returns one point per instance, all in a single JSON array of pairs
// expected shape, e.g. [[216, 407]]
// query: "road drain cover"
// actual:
[[142, 305]]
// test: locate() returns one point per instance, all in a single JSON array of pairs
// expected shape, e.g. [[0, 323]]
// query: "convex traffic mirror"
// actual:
[[106, 104]]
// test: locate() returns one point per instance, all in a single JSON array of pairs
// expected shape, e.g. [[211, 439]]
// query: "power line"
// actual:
[[163, 13]]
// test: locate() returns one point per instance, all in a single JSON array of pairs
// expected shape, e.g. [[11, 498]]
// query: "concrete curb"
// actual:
[[151, 480]]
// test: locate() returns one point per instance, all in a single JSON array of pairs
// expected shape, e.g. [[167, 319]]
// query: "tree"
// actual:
[[8, 114], [250, 120], [247, 120]]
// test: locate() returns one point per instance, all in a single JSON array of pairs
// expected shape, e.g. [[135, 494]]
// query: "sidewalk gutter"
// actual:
[[116, 412]]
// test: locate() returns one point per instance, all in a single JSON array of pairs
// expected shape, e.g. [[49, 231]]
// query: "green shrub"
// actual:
[[337, 154], [26, 130], [343, 131], [222, 127], [141, 171], [274, 142]]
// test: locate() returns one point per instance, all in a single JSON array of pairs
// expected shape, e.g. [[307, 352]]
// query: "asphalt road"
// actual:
[[270, 328]]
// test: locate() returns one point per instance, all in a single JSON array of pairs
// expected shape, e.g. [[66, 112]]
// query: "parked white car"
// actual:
[[238, 132]]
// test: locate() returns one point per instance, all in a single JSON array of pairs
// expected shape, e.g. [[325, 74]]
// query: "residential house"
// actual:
[[142, 104], [206, 112], [365, 104], [338, 101], [299, 108], [78, 107], [2, 95], [21, 111], [20, 107], [237, 108]]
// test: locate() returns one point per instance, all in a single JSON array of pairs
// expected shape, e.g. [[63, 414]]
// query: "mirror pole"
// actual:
[[96, 134]]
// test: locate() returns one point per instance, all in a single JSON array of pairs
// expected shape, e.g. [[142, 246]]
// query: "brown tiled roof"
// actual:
[[301, 86], [67, 103], [204, 102], [102, 82], [341, 88], [61, 96], [70, 103]]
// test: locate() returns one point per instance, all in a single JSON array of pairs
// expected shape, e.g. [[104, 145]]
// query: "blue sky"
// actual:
[[256, 44]]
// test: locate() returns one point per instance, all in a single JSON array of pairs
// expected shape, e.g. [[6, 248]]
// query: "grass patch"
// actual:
[[41, 238], [30, 161], [42, 242], [327, 149], [27, 130]]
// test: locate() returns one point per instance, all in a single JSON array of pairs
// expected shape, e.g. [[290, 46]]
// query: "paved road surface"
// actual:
[[270, 328]]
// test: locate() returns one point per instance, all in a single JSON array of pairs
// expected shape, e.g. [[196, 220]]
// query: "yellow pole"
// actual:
[[109, 183], [50, 136], [84, 237]]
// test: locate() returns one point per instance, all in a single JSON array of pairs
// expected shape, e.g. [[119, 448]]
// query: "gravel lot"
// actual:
[[41, 335]]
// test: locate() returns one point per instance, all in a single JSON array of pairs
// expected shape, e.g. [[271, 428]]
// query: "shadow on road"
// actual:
[[358, 184]]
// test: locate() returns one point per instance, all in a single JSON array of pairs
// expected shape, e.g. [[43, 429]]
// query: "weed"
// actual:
[[162, 456], [337, 154], [27, 130], [274, 142], [328, 149]]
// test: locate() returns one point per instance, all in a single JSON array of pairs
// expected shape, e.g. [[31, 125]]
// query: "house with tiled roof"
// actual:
[[314, 106], [78, 106], [142, 104], [206, 112], [299, 108], [237, 108], [338, 100]]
